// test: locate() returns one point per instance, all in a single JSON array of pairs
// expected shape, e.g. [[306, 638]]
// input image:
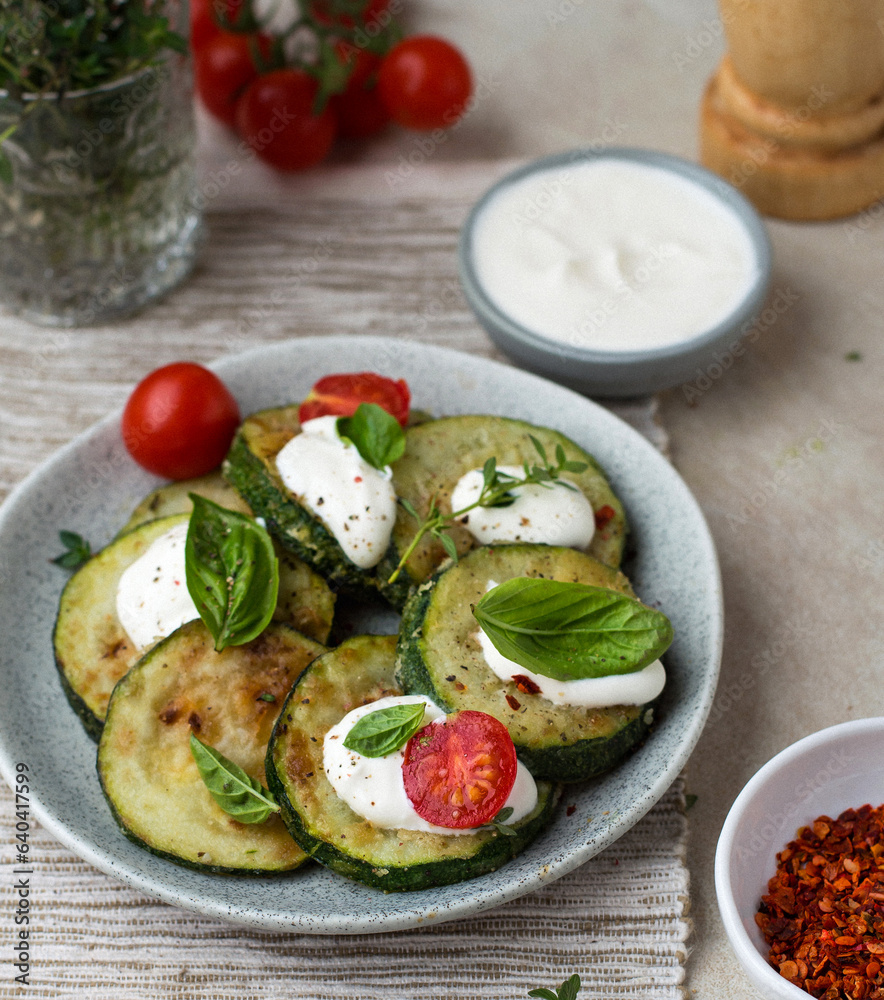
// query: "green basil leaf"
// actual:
[[232, 572], [568, 631], [377, 435], [386, 730], [239, 795]]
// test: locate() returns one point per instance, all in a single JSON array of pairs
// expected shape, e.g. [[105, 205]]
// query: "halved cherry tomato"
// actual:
[[340, 395], [179, 421], [460, 772], [425, 83]]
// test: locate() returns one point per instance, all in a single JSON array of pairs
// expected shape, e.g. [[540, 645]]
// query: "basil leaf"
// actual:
[[386, 730], [239, 795], [377, 435], [568, 631], [232, 572]]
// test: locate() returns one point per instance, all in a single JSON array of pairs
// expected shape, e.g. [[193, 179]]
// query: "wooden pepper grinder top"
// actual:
[[794, 115]]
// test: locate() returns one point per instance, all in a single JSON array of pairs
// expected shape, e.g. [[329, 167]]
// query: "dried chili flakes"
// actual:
[[823, 915]]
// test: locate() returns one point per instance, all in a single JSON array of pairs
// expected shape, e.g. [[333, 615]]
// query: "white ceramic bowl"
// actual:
[[620, 373], [825, 773]]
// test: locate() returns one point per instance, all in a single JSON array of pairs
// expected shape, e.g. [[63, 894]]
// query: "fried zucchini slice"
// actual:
[[439, 453], [439, 656], [230, 700], [358, 672], [92, 650], [251, 467]]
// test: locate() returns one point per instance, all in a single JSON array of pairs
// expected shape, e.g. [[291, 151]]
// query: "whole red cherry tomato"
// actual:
[[275, 117], [340, 395], [223, 67], [460, 772], [179, 421], [425, 83]]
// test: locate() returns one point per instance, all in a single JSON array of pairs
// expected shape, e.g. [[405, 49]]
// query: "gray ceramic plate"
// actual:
[[90, 487]]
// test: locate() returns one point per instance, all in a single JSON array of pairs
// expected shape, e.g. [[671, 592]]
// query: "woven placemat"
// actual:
[[620, 921], [311, 266]]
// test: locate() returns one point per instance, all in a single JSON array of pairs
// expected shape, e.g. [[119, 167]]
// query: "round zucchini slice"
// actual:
[[358, 672], [439, 453], [173, 498], [439, 656], [251, 467], [92, 650], [230, 701]]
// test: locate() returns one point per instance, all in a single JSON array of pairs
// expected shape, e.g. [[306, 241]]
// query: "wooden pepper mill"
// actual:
[[794, 115]]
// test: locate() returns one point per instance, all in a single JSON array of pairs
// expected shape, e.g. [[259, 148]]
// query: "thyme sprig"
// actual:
[[497, 491]]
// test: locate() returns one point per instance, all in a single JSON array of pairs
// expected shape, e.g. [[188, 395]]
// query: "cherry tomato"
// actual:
[[203, 25], [359, 107], [223, 67], [275, 117], [460, 772], [179, 421], [340, 395], [425, 83]]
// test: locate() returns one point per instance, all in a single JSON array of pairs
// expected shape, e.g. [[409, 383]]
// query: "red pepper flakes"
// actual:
[[525, 684], [603, 515], [513, 703], [823, 915]]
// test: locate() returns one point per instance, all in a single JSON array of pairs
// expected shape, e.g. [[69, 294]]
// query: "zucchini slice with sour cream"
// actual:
[[440, 656], [359, 672], [230, 701], [439, 453], [251, 466], [92, 648]]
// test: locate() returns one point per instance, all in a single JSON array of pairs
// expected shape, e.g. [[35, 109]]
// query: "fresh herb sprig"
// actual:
[[570, 631], [497, 491], [231, 571], [376, 435], [78, 551], [239, 795], [567, 991], [55, 46], [386, 730]]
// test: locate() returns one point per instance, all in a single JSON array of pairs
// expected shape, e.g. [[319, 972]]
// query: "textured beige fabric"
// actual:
[[313, 266], [619, 921]]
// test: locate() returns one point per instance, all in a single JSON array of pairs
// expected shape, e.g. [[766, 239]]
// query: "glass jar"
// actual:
[[99, 213]]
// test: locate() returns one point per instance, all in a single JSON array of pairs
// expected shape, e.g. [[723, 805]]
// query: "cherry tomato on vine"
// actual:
[[275, 117], [359, 107], [425, 83], [224, 66], [340, 395], [209, 17], [179, 421], [460, 772]]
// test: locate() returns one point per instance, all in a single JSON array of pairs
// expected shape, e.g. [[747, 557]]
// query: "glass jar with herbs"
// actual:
[[98, 206]]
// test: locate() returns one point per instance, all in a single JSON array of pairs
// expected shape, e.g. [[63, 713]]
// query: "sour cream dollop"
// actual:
[[373, 787], [551, 515], [355, 501], [636, 688], [152, 595]]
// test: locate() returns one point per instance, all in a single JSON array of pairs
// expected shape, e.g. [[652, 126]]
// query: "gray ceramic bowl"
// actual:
[[91, 486], [825, 773], [621, 373]]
